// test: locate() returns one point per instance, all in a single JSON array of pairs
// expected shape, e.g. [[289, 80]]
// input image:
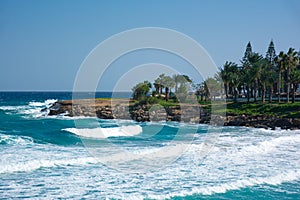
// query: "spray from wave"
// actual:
[[32, 109]]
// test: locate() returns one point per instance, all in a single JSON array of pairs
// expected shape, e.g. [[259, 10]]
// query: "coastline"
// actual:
[[126, 109]]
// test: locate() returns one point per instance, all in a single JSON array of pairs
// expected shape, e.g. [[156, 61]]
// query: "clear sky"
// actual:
[[43, 43]]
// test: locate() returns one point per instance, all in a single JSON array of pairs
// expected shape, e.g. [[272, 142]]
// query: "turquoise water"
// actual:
[[59, 158]]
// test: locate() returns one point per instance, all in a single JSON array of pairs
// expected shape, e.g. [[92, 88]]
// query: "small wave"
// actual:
[[37, 164], [35, 108], [12, 108], [223, 188], [36, 104], [267, 146], [101, 133], [46, 103], [64, 116], [32, 109], [278, 130], [13, 139]]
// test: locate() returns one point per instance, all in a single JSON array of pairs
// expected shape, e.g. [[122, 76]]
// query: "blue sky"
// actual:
[[43, 43]]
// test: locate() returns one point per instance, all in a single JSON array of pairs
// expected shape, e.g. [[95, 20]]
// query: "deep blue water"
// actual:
[[58, 157]]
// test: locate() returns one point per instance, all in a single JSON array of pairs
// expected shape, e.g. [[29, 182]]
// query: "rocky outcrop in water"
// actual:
[[121, 109]]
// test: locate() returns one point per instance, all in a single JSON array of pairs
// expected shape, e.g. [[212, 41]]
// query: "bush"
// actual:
[[173, 97], [153, 100], [154, 93]]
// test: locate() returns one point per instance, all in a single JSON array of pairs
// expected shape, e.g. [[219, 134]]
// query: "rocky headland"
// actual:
[[126, 109]]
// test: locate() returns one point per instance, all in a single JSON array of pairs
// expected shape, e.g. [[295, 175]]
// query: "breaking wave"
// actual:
[[101, 133]]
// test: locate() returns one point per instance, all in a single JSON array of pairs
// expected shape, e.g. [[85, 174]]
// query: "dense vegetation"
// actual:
[[257, 78], [261, 77]]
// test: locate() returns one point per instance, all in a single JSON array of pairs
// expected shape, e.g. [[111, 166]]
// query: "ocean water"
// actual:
[[59, 157]]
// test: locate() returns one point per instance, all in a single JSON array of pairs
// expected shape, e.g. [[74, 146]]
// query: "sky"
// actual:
[[44, 43]]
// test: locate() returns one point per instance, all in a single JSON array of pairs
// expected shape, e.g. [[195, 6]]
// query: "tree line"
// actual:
[[260, 77], [163, 87], [256, 77]]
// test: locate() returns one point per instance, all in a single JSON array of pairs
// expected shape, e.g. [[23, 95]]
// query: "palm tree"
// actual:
[[225, 73], [176, 78], [280, 59], [168, 83], [256, 64], [291, 63], [264, 81], [200, 90], [220, 80], [157, 87], [267, 79], [187, 79], [212, 87], [179, 80], [158, 83], [295, 80], [235, 80]]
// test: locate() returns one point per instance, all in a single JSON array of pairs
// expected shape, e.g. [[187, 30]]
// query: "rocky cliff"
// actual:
[[124, 109]]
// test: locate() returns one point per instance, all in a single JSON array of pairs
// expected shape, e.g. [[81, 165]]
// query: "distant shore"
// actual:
[[129, 110]]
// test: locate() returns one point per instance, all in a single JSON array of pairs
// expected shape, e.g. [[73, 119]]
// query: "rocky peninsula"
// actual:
[[127, 109]]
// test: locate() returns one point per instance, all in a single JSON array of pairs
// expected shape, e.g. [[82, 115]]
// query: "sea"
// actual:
[[60, 157]]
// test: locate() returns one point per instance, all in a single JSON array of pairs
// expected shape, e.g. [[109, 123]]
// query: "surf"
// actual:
[[102, 133]]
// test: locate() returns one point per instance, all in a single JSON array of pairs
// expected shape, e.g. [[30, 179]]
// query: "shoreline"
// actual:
[[126, 109]]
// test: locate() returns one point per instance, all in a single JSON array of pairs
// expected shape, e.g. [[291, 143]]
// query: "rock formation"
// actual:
[[124, 109]]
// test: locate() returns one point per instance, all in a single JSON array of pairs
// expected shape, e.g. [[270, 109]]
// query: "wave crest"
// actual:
[[14, 139], [102, 133], [37, 164]]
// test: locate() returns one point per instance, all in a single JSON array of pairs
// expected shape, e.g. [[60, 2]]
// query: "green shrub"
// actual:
[[153, 100]]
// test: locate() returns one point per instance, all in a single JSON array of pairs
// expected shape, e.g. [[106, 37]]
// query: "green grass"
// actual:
[[167, 103], [290, 110], [103, 98]]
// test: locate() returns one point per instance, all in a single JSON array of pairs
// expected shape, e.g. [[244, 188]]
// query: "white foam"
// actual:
[[287, 176], [277, 130], [149, 154], [64, 116], [46, 103], [37, 164], [33, 109], [38, 104], [241, 158], [13, 139], [101, 133], [268, 146], [11, 108]]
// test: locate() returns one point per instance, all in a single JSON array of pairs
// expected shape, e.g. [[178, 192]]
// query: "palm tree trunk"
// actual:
[[255, 90], [235, 95], [157, 89], [226, 90], [248, 94], [264, 93], [167, 94], [288, 85], [294, 93], [271, 94], [279, 84]]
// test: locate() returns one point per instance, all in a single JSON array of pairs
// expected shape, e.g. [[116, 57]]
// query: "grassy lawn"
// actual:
[[290, 110]]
